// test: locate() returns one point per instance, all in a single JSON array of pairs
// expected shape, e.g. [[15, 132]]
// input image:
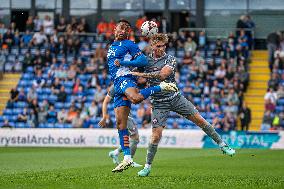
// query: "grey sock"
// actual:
[[151, 152], [210, 131], [133, 146]]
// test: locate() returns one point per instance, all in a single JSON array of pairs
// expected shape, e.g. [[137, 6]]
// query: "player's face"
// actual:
[[121, 31], [158, 49]]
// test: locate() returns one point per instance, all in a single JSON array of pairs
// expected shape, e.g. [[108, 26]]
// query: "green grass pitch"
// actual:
[[36, 168]]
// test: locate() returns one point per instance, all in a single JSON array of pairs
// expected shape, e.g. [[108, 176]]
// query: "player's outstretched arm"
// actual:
[[106, 101], [138, 61], [161, 75]]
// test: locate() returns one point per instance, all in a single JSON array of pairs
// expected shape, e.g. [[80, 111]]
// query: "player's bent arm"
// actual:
[[138, 61], [161, 75]]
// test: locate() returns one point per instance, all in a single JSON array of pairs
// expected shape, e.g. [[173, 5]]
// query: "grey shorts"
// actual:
[[178, 104], [132, 126]]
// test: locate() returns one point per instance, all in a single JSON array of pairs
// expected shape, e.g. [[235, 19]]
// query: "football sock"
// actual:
[[124, 141], [150, 90], [210, 131], [117, 151], [151, 152], [133, 146]]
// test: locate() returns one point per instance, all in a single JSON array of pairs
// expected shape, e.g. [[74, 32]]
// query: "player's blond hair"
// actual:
[[159, 37]]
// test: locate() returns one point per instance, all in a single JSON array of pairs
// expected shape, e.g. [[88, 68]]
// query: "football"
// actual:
[[149, 28]]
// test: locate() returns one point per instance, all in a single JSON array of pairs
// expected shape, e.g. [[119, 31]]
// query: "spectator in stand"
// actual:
[[26, 38], [77, 122], [202, 39], [39, 81], [23, 116], [83, 26], [102, 27], [33, 119], [42, 114], [38, 23], [142, 44], [233, 97], [32, 95], [93, 109], [45, 105], [110, 29], [81, 67], [62, 116], [139, 22], [245, 116], [14, 94], [76, 86], [274, 81], [229, 122], [99, 95], [71, 73], [39, 37], [270, 95], [35, 108], [56, 85], [8, 38], [93, 81], [273, 40], [190, 46], [72, 113], [80, 96], [74, 24], [30, 24], [6, 124], [3, 29], [104, 80], [280, 92], [269, 105], [51, 115], [92, 66], [61, 27], [22, 96], [62, 95], [220, 73], [187, 59]]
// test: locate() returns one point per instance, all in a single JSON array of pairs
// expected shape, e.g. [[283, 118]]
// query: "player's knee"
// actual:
[[135, 99], [156, 139]]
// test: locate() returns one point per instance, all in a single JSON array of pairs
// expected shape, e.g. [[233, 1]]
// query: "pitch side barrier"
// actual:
[[108, 138]]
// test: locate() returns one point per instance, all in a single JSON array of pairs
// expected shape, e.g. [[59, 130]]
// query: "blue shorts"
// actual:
[[120, 86]]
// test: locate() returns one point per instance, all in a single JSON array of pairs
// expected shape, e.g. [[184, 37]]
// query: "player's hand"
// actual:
[[136, 74], [102, 123], [117, 62]]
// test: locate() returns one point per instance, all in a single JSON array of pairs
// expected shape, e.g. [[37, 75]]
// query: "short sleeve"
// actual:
[[133, 49], [171, 62]]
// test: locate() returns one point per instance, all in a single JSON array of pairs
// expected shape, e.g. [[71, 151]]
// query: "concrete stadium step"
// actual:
[[7, 75], [259, 76], [6, 84], [256, 76], [251, 100]]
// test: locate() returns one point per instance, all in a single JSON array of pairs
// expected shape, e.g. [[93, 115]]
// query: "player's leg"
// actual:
[[159, 118], [185, 108], [211, 132], [121, 114], [136, 96], [114, 155]]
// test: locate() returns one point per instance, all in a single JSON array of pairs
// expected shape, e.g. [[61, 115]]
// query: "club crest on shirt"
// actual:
[[154, 121]]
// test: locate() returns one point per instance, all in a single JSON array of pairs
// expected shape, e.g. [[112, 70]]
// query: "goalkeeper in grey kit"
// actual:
[[161, 67]]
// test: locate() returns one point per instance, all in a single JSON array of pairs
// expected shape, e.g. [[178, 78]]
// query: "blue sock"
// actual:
[[124, 141], [149, 91]]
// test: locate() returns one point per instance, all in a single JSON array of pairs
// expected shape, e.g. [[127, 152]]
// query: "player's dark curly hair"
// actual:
[[124, 21]]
